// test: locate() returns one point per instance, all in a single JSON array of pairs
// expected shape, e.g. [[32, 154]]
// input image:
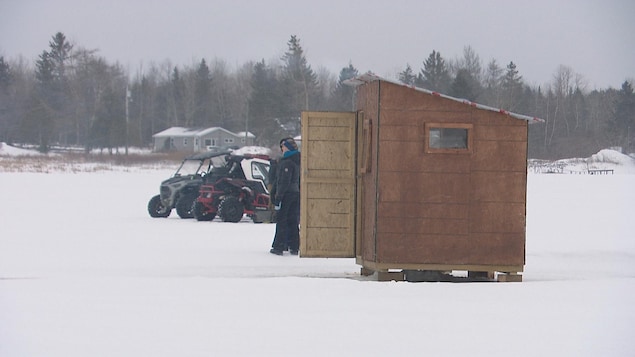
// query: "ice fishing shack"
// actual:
[[414, 183]]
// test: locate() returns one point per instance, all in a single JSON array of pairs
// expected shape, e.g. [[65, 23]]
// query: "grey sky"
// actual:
[[594, 38]]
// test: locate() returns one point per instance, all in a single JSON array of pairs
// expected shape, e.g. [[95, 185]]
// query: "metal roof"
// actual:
[[370, 77]]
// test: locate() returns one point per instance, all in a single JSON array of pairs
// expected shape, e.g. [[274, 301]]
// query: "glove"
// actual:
[[277, 207]]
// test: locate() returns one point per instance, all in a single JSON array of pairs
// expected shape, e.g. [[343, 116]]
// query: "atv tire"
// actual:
[[231, 209], [184, 205], [201, 214], [156, 209]]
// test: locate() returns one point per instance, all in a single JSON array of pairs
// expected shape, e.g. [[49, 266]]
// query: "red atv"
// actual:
[[236, 189]]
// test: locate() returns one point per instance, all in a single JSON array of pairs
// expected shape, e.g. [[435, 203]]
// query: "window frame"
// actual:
[[470, 135]]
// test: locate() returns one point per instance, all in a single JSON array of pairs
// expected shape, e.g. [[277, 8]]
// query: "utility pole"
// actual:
[[128, 95]]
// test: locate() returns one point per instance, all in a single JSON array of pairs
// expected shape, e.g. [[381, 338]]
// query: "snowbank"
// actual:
[[8, 150], [604, 160], [611, 157]]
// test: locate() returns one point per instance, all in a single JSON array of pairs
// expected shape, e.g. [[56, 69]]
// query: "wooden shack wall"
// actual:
[[368, 105], [440, 208]]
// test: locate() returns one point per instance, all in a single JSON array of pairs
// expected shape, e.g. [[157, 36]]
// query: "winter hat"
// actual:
[[289, 143]]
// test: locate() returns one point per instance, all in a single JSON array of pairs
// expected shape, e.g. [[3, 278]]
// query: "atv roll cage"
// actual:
[[238, 188], [181, 189]]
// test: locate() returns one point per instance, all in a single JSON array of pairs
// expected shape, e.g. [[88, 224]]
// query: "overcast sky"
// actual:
[[594, 38]]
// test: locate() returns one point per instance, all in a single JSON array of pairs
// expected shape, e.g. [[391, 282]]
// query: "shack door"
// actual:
[[327, 192]]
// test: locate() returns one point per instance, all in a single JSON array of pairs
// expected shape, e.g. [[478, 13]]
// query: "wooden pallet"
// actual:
[[440, 276]]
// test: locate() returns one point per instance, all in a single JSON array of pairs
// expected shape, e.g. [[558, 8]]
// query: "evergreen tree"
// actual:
[[299, 79], [177, 102], [52, 88], [265, 105], [343, 93], [512, 88], [463, 86], [60, 54], [407, 76], [203, 80], [434, 75]]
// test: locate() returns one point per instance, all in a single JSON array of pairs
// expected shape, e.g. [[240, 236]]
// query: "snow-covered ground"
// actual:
[[84, 271], [595, 164]]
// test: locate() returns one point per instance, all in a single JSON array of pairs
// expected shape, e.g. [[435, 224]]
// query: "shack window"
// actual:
[[448, 138]]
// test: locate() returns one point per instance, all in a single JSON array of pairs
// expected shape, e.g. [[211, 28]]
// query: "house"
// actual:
[[197, 140], [415, 184]]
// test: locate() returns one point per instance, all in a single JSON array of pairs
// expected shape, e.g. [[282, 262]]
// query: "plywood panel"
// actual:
[[418, 225], [334, 213], [486, 117], [328, 190], [498, 186], [410, 156], [424, 187], [498, 248], [333, 155], [327, 193], [497, 217], [501, 132], [412, 117], [368, 102], [491, 249], [328, 120], [327, 242], [423, 210], [500, 156], [421, 249], [402, 132], [330, 133], [330, 174]]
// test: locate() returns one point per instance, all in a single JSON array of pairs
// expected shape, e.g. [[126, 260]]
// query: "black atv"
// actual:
[[181, 190]]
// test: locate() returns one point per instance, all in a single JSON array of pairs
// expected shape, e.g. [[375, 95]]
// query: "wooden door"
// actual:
[[328, 192]]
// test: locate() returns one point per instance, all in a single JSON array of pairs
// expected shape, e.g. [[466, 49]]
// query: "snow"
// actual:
[[604, 160], [84, 271], [253, 150], [8, 150]]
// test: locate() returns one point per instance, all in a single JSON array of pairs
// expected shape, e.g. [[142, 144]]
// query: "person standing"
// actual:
[[287, 199]]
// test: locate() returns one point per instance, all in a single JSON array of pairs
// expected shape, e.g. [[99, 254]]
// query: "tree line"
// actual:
[[71, 96]]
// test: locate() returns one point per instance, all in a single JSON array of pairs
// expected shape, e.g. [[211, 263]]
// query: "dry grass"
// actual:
[[76, 162]]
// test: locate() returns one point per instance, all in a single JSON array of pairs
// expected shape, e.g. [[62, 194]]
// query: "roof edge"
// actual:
[[371, 77]]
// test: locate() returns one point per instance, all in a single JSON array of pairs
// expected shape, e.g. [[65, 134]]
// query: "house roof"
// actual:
[[216, 128], [370, 77], [242, 134], [177, 131]]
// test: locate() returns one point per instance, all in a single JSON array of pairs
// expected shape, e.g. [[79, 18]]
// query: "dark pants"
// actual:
[[287, 224]]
